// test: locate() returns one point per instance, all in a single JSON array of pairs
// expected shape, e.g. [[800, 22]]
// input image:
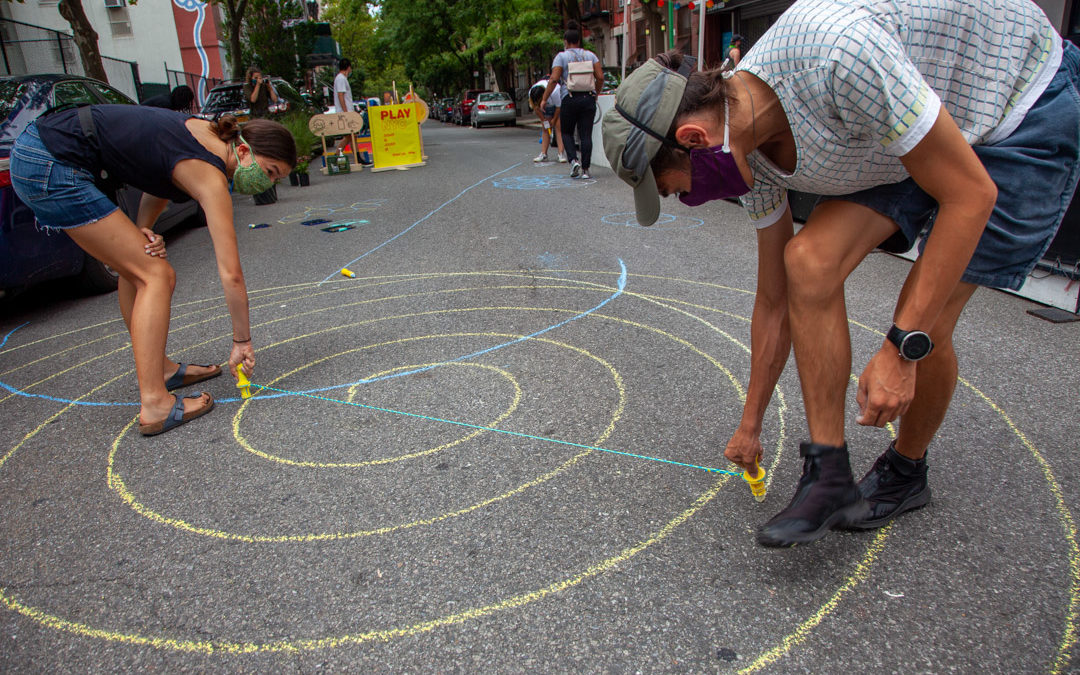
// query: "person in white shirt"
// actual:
[[550, 119], [343, 101], [957, 119]]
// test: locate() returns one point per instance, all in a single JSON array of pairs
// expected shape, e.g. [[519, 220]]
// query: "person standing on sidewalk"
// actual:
[[259, 93], [577, 71]]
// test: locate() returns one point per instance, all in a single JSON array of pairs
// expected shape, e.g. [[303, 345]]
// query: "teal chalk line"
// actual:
[[499, 431]]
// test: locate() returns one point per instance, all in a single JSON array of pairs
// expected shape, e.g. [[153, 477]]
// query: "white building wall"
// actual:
[[152, 42]]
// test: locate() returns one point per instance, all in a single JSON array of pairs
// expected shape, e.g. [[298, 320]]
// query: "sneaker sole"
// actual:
[[915, 501], [838, 520]]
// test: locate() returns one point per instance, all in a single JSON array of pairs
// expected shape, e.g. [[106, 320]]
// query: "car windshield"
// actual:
[[286, 91], [224, 99], [494, 96]]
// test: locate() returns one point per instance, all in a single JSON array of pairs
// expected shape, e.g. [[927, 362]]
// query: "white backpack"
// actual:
[[579, 74]]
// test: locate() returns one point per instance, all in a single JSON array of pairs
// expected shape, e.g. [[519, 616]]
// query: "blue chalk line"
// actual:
[[430, 214], [496, 430], [10, 332]]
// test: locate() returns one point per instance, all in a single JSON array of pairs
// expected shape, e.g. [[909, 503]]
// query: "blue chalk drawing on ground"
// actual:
[[540, 182], [666, 221], [330, 210], [430, 214], [553, 261], [620, 287]]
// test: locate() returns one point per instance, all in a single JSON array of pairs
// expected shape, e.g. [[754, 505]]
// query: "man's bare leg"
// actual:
[[818, 260]]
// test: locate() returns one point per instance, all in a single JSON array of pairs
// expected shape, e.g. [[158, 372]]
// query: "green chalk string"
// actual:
[[498, 431]]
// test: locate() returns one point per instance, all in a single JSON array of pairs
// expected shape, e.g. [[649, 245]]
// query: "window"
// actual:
[[120, 22], [72, 92], [108, 93]]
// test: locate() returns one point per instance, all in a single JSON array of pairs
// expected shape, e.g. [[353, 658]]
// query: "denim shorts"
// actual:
[[1035, 169], [61, 196], [549, 111]]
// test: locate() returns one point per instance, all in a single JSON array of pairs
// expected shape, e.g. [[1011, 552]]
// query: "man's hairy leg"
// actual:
[[836, 238]]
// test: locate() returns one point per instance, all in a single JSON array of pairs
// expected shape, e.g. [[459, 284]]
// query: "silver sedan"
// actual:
[[494, 107]]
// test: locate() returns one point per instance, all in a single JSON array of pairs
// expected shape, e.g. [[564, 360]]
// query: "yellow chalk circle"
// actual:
[[242, 382], [757, 483], [346, 272]]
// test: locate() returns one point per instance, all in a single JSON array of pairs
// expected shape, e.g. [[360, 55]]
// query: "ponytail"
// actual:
[[226, 127], [265, 137]]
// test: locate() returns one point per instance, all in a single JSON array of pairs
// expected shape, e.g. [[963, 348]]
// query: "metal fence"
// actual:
[[26, 49], [199, 84]]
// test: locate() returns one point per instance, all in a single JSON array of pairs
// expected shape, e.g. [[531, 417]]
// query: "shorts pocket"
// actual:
[[30, 175]]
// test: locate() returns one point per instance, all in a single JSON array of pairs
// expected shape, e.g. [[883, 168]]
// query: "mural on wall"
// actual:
[[196, 30]]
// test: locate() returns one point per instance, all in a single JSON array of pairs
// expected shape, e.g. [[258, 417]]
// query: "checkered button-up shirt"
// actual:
[[862, 82]]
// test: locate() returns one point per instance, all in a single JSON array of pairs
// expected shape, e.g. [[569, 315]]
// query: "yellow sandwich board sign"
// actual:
[[395, 136]]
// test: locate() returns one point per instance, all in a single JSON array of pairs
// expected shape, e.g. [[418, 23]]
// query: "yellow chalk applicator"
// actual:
[[757, 482], [242, 382]]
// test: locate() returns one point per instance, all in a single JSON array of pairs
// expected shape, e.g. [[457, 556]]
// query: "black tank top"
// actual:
[[139, 145]]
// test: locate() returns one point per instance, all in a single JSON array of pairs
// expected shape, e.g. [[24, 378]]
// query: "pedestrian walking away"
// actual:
[[56, 169], [910, 123], [577, 73]]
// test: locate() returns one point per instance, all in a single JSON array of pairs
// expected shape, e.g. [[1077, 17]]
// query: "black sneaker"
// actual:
[[894, 485], [825, 498]]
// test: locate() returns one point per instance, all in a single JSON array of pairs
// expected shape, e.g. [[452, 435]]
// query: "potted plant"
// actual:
[[301, 170], [306, 142]]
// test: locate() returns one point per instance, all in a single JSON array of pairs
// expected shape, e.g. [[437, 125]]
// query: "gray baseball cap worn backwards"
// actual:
[[634, 130]]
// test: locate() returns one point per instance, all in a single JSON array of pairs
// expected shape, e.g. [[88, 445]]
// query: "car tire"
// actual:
[[512, 123], [96, 277]]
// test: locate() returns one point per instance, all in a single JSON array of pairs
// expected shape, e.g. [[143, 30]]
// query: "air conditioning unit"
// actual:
[[115, 3]]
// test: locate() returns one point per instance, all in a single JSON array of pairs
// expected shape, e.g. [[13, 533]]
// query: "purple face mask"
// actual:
[[714, 173]]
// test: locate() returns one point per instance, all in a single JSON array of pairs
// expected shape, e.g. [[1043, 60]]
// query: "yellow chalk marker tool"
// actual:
[[757, 483], [242, 382], [346, 272]]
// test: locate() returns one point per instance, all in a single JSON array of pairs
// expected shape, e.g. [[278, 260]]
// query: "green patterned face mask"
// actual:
[[250, 179]]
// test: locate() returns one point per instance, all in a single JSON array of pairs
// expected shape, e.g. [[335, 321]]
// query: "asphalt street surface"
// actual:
[[362, 514]]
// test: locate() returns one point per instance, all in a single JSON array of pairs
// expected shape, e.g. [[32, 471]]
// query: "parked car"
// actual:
[[463, 105], [494, 107], [27, 254], [228, 99], [446, 109]]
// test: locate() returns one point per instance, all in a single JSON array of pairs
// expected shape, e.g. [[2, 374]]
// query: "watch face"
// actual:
[[916, 345]]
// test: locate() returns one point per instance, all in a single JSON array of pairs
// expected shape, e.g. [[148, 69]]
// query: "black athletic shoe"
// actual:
[[826, 498], [894, 485]]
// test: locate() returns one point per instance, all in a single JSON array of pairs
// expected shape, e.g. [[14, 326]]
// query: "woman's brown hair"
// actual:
[[706, 90], [265, 137]]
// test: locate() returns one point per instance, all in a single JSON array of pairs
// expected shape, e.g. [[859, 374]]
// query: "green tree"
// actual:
[[441, 43], [267, 43], [520, 35], [352, 23]]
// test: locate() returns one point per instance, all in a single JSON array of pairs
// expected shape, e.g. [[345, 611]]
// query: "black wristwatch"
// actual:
[[914, 345]]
